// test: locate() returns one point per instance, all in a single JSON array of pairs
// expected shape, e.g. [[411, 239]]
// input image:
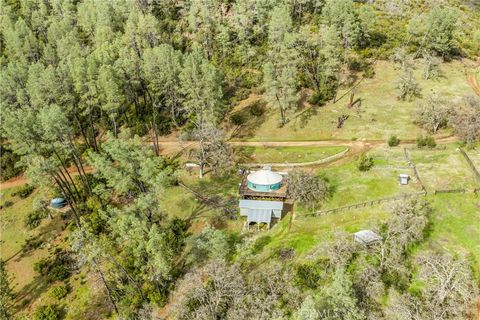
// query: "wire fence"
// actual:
[[471, 164], [414, 167], [366, 204]]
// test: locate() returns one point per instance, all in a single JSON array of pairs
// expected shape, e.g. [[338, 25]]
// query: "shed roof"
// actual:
[[366, 236], [259, 215], [264, 177], [260, 204]]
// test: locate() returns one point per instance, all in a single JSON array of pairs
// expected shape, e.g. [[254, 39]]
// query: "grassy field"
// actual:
[[382, 114], [353, 186], [31, 289], [286, 154], [454, 227], [12, 222], [456, 224], [474, 156], [304, 234], [443, 169]]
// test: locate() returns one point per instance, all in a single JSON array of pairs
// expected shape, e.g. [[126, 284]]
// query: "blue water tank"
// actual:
[[58, 202]]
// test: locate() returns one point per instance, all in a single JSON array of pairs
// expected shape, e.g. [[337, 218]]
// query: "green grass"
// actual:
[[474, 155], [443, 169], [353, 186], [456, 224], [12, 228], [176, 202], [304, 234], [287, 154], [34, 289], [382, 113]]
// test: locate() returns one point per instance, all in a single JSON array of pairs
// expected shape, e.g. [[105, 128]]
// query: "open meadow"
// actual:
[[381, 113]]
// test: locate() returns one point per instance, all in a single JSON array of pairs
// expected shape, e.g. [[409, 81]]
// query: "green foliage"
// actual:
[[33, 219], [426, 141], [343, 15], [437, 34], [55, 268], [365, 162], [257, 109], [8, 163], [238, 118], [212, 243], [260, 243], [393, 141], [308, 275], [32, 243], [48, 312], [59, 292], [308, 189], [24, 192], [280, 70], [408, 86], [325, 93], [6, 204], [6, 293]]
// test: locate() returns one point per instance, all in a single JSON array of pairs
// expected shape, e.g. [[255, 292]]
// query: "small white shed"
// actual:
[[366, 237], [403, 179]]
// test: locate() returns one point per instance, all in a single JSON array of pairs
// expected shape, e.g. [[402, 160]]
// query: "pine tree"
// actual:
[[6, 293], [280, 72]]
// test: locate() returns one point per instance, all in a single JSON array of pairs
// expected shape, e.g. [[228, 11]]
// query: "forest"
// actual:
[[106, 104]]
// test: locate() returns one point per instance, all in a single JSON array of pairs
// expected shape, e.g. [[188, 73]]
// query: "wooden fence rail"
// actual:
[[298, 164], [366, 203], [471, 164], [450, 191], [414, 167]]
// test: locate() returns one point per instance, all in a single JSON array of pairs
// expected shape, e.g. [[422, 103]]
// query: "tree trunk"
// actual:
[[105, 284]]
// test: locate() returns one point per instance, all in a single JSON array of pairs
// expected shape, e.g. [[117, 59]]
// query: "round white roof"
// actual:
[[264, 177]]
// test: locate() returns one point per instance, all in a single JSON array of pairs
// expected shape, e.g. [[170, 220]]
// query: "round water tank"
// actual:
[[264, 180], [58, 202]]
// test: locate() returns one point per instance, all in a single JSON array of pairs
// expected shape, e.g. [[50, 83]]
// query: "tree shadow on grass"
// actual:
[[31, 292], [219, 185], [253, 120], [48, 231]]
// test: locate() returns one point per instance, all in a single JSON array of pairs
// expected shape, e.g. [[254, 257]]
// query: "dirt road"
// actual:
[[473, 82], [172, 146]]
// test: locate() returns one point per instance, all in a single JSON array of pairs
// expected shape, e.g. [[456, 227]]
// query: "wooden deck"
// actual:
[[247, 193]]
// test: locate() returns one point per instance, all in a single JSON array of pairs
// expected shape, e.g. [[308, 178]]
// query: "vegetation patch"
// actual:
[[287, 154]]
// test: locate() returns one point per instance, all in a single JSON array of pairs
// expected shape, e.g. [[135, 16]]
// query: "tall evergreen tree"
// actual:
[[6, 293], [280, 71]]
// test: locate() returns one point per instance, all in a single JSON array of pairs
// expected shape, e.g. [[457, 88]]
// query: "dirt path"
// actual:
[[21, 180], [170, 146], [473, 82]]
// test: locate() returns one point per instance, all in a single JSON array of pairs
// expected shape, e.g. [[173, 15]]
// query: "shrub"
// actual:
[[24, 192], [8, 163], [257, 109], [33, 219], [49, 312], [32, 244], [59, 292], [54, 268], [139, 129], [6, 204], [393, 141], [260, 243], [308, 275], [427, 141], [365, 163], [307, 188], [237, 119], [317, 98], [369, 72], [325, 93]]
